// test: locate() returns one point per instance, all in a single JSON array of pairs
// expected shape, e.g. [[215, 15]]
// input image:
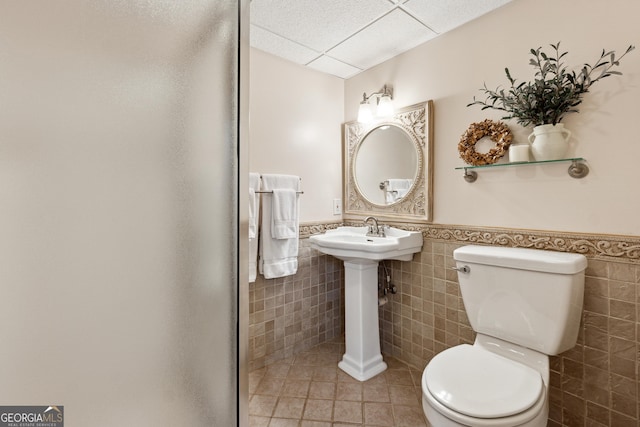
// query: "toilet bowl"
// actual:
[[502, 379]]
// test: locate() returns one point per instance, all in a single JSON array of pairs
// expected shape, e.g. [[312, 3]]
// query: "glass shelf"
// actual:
[[578, 168]]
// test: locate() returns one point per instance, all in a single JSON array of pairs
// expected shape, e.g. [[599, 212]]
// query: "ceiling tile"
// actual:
[[444, 15], [319, 25], [332, 66], [354, 33], [276, 45], [395, 33]]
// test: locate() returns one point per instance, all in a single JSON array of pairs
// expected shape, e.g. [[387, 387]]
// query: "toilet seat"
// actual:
[[477, 383]]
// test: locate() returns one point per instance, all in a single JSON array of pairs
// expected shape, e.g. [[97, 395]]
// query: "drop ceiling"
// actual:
[[345, 37]]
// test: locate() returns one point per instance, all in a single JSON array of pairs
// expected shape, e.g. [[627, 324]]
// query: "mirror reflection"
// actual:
[[386, 165]]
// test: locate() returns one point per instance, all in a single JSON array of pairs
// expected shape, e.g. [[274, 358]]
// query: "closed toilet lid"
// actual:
[[481, 384]]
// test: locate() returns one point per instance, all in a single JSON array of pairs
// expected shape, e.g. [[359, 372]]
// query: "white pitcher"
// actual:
[[549, 142]]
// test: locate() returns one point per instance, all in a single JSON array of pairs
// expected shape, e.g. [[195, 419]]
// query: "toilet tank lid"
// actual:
[[522, 258]]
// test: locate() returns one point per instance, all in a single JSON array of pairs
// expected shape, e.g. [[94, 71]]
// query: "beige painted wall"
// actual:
[[295, 128], [452, 67]]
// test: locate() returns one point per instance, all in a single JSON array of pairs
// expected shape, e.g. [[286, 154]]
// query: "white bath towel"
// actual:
[[254, 204], [278, 256], [254, 212]]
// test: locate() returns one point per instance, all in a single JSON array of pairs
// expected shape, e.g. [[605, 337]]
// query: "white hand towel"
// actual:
[[399, 184], [284, 213], [254, 212], [397, 188], [278, 257]]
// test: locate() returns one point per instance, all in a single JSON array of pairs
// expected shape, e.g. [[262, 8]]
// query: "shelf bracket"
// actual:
[[470, 176], [578, 169]]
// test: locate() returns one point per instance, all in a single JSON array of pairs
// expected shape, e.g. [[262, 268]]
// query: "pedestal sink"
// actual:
[[361, 254]]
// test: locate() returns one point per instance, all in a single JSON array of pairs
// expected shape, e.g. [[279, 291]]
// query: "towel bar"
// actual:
[[264, 192]]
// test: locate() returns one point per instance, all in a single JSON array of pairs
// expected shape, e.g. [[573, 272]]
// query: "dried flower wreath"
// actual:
[[497, 131]]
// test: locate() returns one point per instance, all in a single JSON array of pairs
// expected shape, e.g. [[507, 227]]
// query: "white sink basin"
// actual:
[[352, 243]]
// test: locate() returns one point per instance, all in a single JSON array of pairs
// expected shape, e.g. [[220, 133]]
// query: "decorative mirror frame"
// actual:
[[417, 121]]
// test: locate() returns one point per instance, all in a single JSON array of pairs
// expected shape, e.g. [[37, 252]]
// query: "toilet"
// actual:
[[524, 305]]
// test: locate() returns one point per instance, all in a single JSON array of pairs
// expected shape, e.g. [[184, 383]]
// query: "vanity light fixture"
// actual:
[[384, 101]]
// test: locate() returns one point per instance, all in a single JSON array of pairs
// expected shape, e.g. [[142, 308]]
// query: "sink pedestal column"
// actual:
[[362, 359]]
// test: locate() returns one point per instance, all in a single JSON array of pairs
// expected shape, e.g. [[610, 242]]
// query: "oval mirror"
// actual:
[[388, 167], [385, 164]]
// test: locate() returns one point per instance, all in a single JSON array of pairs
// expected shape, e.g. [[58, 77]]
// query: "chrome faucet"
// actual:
[[375, 229]]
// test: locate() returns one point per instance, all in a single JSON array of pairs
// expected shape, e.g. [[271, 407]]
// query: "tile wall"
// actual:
[[294, 313], [594, 384]]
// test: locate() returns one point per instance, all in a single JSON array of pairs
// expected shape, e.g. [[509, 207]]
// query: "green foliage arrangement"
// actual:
[[554, 92]]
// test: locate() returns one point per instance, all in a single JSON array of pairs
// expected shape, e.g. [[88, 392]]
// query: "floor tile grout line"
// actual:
[[314, 356]]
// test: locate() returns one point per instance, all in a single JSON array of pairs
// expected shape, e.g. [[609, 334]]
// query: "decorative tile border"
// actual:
[[623, 248], [309, 228], [596, 246]]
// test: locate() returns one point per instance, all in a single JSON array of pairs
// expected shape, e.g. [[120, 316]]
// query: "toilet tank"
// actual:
[[529, 297]]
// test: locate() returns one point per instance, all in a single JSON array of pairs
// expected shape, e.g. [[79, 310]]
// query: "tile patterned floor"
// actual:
[[309, 390]]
